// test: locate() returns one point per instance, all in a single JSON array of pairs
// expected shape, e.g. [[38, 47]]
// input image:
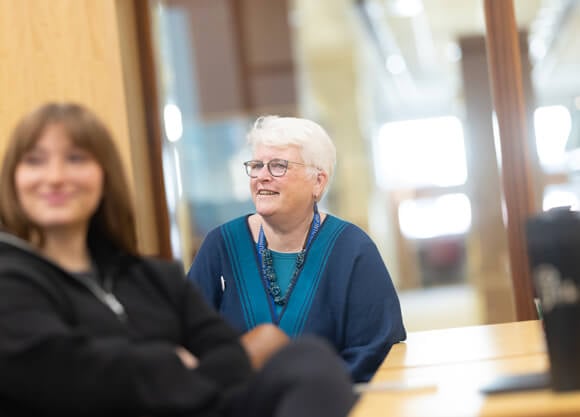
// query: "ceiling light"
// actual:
[[453, 52], [396, 64], [405, 8], [538, 48]]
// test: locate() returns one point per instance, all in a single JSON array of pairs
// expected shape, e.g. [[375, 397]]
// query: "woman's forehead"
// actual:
[[283, 152], [56, 136], [52, 133]]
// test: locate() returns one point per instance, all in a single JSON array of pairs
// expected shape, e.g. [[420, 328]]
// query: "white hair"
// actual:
[[316, 147]]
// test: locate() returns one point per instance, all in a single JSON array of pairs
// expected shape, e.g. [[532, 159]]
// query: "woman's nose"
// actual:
[[55, 171]]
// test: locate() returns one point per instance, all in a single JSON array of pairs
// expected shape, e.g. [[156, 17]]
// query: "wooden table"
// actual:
[[438, 373]]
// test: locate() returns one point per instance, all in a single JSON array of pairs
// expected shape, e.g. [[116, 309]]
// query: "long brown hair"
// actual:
[[114, 221]]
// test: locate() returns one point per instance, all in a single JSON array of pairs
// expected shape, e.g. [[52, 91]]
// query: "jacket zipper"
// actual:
[[105, 295]]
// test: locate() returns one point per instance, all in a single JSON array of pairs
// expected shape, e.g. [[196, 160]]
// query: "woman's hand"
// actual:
[[188, 360], [262, 342]]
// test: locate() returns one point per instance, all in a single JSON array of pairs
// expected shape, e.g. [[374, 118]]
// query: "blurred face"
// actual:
[[288, 195], [58, 185]]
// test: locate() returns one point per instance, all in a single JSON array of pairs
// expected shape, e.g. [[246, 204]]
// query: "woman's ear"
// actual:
[[320, 185]]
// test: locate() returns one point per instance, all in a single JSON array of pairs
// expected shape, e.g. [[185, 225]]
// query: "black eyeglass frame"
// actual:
[[256, 164]]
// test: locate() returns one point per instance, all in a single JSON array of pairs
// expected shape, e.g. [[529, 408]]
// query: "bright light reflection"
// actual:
[[449, 214], [173, 122], [552, 125], [538, 48], [406, 8], [423, 152], [560, 198], [396, 64], [453, 52], [178, 179]]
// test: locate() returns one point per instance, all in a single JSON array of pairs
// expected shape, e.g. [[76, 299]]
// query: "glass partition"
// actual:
[[402, 87]]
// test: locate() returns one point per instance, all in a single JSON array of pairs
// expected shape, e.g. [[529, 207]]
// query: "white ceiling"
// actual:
[[423, 46], [427, 42]]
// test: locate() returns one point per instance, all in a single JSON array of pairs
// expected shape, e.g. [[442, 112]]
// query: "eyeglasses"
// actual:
[[276, 167]]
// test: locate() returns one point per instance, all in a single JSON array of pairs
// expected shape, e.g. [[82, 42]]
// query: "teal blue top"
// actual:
[[284, 264], [343, 293]]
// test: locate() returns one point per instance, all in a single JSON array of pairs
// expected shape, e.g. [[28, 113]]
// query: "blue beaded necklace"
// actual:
[[267, 264]]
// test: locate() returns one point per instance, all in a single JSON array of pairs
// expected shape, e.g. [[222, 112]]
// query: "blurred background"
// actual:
[[402, 86]]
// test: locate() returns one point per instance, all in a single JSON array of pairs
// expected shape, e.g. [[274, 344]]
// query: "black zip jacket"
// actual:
[[69, 347]]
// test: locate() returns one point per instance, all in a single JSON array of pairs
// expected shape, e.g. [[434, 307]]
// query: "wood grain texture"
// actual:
[[439, 373], [77, 50]]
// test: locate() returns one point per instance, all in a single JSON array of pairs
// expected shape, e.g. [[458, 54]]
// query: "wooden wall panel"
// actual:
[[81, 51]]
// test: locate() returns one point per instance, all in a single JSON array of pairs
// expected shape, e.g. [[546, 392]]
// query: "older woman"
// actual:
[[88, 327], [292, 265]]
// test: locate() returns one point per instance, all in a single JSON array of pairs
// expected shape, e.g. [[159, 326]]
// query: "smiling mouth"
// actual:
[[56, 199], [266, 192]]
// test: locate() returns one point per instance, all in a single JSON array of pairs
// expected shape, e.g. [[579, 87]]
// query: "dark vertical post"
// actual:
[[508, 97], [153, 119]]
